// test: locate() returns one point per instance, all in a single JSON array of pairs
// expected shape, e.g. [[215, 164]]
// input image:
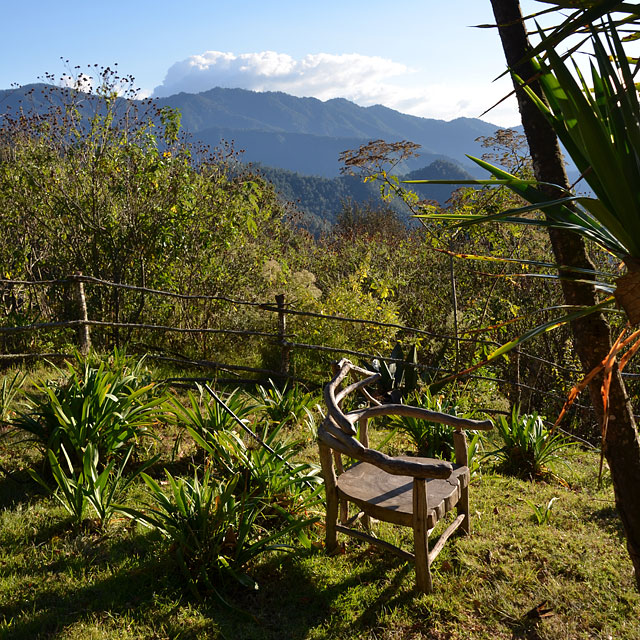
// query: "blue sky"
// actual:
[[418, 56]]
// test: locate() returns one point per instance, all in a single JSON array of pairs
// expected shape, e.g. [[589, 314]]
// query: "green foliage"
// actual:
[[10, 389], [431, 439], [71, 492], [509, 565], [542, 513], [107, 186], [100, 486], [369, 219], [267, 467], [109, 407], [528, 447], [598, 123], [600, 127], [213, 428], [287, 489], [287, 406], [397, 379], [213, 534]]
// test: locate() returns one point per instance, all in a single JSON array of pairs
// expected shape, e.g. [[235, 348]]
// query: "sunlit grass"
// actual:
[[56, 581]]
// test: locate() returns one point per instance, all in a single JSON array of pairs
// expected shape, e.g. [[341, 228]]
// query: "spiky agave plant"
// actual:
[[527, 447], [213, 531]]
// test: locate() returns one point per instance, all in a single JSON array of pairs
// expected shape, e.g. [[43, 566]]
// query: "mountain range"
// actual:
[[297, 141], [306, 134]]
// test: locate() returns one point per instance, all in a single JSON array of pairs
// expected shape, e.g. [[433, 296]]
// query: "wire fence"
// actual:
[[279, 338]]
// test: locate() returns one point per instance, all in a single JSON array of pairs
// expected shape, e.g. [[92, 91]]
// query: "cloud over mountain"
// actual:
[[365, 80], [322, 75]]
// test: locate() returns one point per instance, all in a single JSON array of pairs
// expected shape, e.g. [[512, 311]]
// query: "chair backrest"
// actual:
[[338, 431]]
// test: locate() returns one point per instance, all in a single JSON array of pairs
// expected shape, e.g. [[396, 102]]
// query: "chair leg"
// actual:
[[462, 458], [463, 508], [344, 511], [421, 536], [331, 492]]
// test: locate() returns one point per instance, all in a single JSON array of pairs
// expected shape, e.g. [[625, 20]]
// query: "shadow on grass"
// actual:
[[295, 596], [609, 520], [298, 592], [16, 487], [45, 612]]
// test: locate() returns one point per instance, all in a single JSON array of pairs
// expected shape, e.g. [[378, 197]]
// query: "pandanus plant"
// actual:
[[598, 123]]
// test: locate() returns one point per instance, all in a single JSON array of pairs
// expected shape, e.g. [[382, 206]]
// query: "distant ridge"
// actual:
[[301, 134], [297, 141], [277, 112]]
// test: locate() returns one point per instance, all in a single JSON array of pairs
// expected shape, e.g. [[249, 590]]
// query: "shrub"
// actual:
[[108, 406], [101, 488], [213, 533], [288, 406], [431, 439], [528, 447]]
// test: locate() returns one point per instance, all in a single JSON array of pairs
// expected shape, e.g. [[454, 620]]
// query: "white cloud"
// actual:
[[366, 80]]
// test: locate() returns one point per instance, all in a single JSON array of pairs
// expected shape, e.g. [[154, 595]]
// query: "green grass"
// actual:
[[60, 582], [68, 581]]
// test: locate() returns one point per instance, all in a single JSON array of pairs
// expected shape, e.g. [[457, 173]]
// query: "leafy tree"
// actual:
[[103, 186]]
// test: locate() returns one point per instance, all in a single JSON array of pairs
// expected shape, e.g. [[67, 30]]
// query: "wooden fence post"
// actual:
[[285, 349], [84, 338]]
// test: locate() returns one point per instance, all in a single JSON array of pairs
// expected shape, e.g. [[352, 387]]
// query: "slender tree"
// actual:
[[592, 336]]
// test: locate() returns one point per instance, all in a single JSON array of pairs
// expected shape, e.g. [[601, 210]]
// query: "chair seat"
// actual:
[[389, 497]]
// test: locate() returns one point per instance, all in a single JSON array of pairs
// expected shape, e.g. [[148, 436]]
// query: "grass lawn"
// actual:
[[513, 578]]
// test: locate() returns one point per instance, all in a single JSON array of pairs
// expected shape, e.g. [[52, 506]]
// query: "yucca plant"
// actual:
[[599, 124], [287, 406], [212, 532], [212, 427], [205, 415], [287, 488], [526, 447], [106, 485], [431, 439], [70, 492], [397, 379], [90, 405], [95, 485]]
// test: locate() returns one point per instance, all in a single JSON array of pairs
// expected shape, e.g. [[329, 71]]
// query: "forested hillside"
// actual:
[[168, 325]]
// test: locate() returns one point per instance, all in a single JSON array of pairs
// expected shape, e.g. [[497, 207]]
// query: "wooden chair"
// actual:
[[409, 491]]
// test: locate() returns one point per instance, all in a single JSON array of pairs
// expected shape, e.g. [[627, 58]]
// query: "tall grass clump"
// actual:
[[526, 447], [212, 528], [109, 405]]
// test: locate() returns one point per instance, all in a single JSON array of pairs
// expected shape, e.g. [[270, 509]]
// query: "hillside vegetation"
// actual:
[[133, 506]]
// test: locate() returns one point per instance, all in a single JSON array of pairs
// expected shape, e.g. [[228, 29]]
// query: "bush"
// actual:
[[431, 439], [528, 447], [213, 533], [108, 406]]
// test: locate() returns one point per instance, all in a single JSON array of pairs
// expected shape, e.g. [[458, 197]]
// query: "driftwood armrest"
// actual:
[[418, 412], [338, 430], [346, 421], [332, 436]]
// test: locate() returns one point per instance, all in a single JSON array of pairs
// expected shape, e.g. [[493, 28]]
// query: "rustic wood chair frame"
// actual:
[[407, 491]]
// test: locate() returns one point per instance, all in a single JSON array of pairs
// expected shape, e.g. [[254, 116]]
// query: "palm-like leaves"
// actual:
[[213, 532], [600, 128]]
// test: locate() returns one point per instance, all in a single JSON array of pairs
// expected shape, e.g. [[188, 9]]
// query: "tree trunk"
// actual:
[[591, 335]]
